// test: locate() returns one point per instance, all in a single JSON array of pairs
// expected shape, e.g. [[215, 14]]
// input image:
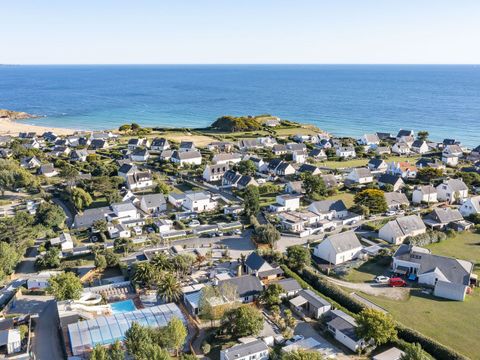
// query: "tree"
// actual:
[[135, 126], [50, 215], [298, 257], [242, 321], [51, 259], [271, 295], [314, 186], [135, 338], [100, 262], [116, 352], [69, 173], [373, 199], [81, 199], [423, 135], [169, 289], [376, 325], [99, 353], [268, 234], [100, 225], [302, 355], [427, 174], [111, 258], [65, 286], [162, 262], [176, 334], [251, 200], [183, 263], [144, 273], [414, 352], [125, 127], [246, 167], [152, 351], [9, 258]]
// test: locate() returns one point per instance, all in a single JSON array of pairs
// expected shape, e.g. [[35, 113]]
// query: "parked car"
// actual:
[[238, 232], [294, 339], [381, 279], [219, 233], [194, 223], [390, 213], [397, 282]]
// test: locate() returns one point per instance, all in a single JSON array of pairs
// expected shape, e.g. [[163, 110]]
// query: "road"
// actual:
[[66, 210], [46, 344]]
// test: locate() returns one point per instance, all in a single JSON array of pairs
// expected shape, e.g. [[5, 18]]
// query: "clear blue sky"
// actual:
[[239, 31]]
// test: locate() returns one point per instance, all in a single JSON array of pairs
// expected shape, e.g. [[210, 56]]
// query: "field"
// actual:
[[345, 196], [450, 322], [361, 162], [198, 140]]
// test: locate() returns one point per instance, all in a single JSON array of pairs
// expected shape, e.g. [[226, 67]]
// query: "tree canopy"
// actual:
[[234, 124], [65, 286], [373, 199], [251, 200], [376, 325], [298, 257], [242, 321]]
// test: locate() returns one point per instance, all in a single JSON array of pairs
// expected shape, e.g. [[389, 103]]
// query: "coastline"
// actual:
[[13, 127]]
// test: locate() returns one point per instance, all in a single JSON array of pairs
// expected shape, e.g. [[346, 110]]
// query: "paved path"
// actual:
[[66, 210], [374, 289], [46, 344]]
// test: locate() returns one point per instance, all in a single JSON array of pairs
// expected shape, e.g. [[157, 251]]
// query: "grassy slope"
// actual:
[[361, 162]]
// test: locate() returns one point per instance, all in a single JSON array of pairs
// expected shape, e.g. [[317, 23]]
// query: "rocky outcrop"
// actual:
[[14, 115]]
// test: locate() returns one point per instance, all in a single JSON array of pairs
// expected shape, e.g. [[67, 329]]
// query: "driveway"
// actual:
[[326, 348], [394, 293], [27, 265], [46, 344], [66, 210]]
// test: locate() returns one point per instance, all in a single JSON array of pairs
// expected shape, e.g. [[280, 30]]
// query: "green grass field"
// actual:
[[345, 196], [361, 162]]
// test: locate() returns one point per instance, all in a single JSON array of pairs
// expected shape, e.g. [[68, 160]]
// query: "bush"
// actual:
[[429, 237]]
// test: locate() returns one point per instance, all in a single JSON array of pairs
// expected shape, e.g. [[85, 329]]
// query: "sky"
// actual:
[[239, 32]]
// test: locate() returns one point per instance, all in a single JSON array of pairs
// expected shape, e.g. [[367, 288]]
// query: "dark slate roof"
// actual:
[[313, 298], [159, 142], [283, 166], [307, 168], [244, 180], [389, 179], [418, 143], [345, 327], [289, 284], [449, 142], [273, 164], [125, 168], [376, 162], [384, 136], [255, 261], [325, 206], [246, 285], [405, 133]]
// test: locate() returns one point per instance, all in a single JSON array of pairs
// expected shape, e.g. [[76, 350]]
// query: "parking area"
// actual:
[[327, 349]]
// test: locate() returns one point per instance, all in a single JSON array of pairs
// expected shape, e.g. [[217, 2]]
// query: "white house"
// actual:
[[338, 248], [401, 148], [286, 202], [452, 191], [215, 172], [343, 328], [64, 241], [426, 194], [310, 304], [470, 206], [450, 160], [420, 146], [402, 168], [360, 176], [159, 144], [191, 157], [453, 149], [329, 209], [226, 158], [153, 203], [139, 180], [254, 350], [199, 201], [377, 165], [40, 281], [12, 340], [396, 200], [397, 230], [139, 155], [346, 152], [299, 157], [371, 140]]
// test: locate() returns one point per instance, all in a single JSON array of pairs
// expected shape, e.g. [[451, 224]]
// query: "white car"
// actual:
[[194, 223], [294, 339], [390, 213], [382, 279]]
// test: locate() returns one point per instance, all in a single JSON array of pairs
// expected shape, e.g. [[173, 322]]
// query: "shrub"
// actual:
[[427, 238]]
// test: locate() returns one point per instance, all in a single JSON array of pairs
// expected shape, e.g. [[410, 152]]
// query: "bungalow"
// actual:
[[186, 146], [199, 201], [304, 222], [226, 158], [449, 277], [221, 146], [191, 157], [344, 329], [338, 248], [236, 180], [391, 180], [139, 155], [127, 169], [48, 170], [426, 194], [360, 176], [470, 206], [64, 241], [290, 287], [371, 140], [404, 133], [294, 187], [280, 167], [295, 147], [139, 180], [308, 168], [249, 287], [396, 231], [250, 144], [256, 349], [452, 191], [159, 144], [286, 202], [31, 144], [401, 148], [137, 143], [318, 154], [153, 203], [346, 152], [308, 303], [442, 218], [391, 354], [299, 157], [280, 149], [453, 149], [377, 165], [420, 146], [403, 169], [429, 162], [258, 266], [382, 150], [329, 209], [396, 200], [30, 162], [79, 155], [98, 144], [40, 281], [118, 231], [450, 160], [215, 172], [176, 200]]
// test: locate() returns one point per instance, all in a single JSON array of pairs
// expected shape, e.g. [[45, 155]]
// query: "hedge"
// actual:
[[333, 292]]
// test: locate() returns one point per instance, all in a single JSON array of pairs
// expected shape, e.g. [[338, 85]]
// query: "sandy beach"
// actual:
[[13, 127]]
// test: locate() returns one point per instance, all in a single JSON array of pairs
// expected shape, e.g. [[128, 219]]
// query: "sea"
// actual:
[[346, 100]]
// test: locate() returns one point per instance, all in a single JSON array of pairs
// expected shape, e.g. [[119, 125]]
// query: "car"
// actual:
[[194, 223], [390, 213], [381, 279], [219, 233], [238, 232], [294, 339], [397, 282], [150, 230], [401, 212]]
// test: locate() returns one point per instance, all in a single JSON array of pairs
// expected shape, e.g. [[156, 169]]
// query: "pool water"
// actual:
[[123, 306]]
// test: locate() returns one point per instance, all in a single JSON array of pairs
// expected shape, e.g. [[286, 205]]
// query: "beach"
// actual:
[[14, 127]]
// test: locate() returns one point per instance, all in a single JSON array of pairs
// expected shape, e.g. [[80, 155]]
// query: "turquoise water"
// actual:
[[345, 100], [123, 306]]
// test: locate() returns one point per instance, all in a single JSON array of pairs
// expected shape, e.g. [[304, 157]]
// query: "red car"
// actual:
[[397, 282]]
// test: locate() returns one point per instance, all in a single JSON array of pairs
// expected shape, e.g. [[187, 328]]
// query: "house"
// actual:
[[454, 150], [260, 165], [279, 149], [443, 218], [452, 191], [420, 147], [396, 200], [176, 200], [64, 241], [397, 230], [402, 168], [295, 147], [404, 133], [371, 140], [166, 155], [60, 151], [318, 154], [98, 144], [236, 180], [290, 287], [250, 144], [426, 194], [48, 170], [226, 158], [249, 287], [199, 201], [359, 176], [450, 160], [30, 162], [377, 165], [338, 248], [382, 150], [127, 169], [391, 354], [450, 278], [221, 146], [190, 157], [343, 327], [429, 162], [391, 180], [299, 157], [258, 266], [159, 144], [139, 155], [137, 143], [215, 172], [294, 187], [385, 136], [308, 168], [470, 206], [41, 280], [186, 146], [308, 303], [79, 155], [330, 181], [346, 152], [303, 223], [118, 231], [285, 202], [153, 203], [281, 168], [253, 350], [139, 180], [31, 144], [329, 209], [401, 148], [12, 340]]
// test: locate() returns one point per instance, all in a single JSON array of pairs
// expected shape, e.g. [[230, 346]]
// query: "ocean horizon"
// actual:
[[345, 100]]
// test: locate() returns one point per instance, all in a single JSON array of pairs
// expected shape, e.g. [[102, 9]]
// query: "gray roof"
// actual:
[[325, 206], [255, 261], [456, 184], [241, 351], [185, 155], [344, 241], [197, 195], [313, 298], [396, 198], [345, 324], [362, 172], [246, 285], [89, 216], [446, 215], [404, 226], [154, 200], [427, 189], [289, 284], [389, 179], [329, 180]]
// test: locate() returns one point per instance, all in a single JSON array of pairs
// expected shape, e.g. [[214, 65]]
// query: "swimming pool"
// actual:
[[123, 306]]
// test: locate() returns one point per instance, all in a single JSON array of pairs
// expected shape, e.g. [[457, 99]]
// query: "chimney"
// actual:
[[239, 270]]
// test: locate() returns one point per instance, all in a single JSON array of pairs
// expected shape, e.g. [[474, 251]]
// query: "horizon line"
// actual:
[[240, 64]]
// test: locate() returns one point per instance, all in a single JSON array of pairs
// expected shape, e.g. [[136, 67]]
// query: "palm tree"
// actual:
[[169, 289], [144, 273]]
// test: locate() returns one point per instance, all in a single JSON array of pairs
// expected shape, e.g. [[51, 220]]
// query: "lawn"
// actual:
[[361, 162], [345, 196], [302, 130], [366, 272]]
